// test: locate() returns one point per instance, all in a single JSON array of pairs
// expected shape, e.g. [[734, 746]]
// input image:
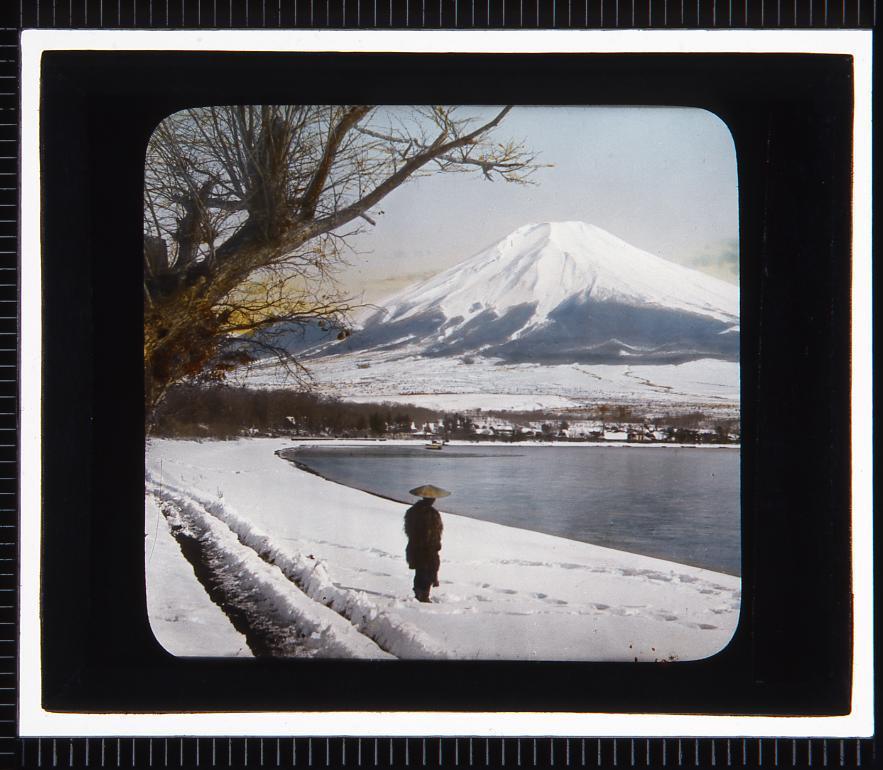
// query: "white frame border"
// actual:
[[35, 721]]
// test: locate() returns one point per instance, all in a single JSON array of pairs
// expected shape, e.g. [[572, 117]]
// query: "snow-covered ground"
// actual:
[[325, 566], [709, 385], [181, 613]]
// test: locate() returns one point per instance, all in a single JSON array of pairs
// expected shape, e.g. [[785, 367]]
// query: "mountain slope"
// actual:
[[558, 292], [551, 262]]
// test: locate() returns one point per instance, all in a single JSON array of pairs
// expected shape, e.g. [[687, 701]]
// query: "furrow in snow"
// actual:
[[390, 633], [181, 606], [290, 623]]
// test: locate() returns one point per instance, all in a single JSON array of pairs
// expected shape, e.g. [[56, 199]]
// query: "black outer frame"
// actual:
[[791, 119]]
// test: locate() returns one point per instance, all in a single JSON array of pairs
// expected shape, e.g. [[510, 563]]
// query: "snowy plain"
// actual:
[[708, 385], [327, 562]]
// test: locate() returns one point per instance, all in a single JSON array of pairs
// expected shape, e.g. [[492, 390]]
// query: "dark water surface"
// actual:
[[675, 503]]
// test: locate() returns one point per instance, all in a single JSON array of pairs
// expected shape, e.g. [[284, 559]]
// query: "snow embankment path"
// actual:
[[179, 606], [285, 600], [275, 617], [315, 568]]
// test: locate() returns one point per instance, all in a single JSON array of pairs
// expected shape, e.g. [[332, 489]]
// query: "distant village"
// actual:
[[476, 427], [227, 412]]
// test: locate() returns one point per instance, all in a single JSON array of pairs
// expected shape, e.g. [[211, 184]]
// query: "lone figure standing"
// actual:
[[423, 526]]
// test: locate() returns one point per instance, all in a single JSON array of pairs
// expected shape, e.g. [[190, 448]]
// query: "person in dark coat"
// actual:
[[423, 526]]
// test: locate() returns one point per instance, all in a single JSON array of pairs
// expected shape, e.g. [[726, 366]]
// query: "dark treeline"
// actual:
[[607, 413], [222, 411]]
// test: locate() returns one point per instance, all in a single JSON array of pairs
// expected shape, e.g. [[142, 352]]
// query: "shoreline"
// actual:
[[303, 467], [527, 443], [311, 547]]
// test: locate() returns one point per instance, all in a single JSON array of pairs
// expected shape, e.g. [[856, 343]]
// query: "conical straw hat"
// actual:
[[430, 490]]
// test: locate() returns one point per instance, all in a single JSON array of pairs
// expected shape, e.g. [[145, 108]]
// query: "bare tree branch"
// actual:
[[317, 183], [245, 208]]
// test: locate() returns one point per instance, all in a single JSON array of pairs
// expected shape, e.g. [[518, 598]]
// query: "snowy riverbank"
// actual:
[[313, 568]]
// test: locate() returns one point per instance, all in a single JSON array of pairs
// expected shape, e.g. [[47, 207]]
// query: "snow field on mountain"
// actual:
[[333, 559], [548, 262]]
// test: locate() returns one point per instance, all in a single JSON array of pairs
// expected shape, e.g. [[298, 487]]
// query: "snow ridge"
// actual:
[[358, 627], [324, 631], [177, 601]]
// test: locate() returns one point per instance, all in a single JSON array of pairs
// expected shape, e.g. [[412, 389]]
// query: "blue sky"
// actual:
[[661, 178]]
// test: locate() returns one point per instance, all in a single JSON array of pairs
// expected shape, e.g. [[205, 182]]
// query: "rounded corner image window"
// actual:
[[442, 382]]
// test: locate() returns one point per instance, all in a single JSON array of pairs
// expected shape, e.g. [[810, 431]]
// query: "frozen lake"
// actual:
[[676, 503]]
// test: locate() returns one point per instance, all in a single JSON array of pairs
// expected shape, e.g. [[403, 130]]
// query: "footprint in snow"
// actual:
[[558, 565], [524, 563], [380, 552], [363, 570], [645, 573]]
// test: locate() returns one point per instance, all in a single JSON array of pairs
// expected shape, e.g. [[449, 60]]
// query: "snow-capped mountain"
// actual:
[[550, 262], [558, 292]]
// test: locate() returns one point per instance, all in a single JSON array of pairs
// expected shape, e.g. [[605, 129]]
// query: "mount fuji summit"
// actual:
[[554, 293]]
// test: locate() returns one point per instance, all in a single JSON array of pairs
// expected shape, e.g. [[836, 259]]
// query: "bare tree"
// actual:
[[247, 211]]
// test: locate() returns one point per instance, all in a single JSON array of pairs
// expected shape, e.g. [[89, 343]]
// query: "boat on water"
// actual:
[[434, 445]]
